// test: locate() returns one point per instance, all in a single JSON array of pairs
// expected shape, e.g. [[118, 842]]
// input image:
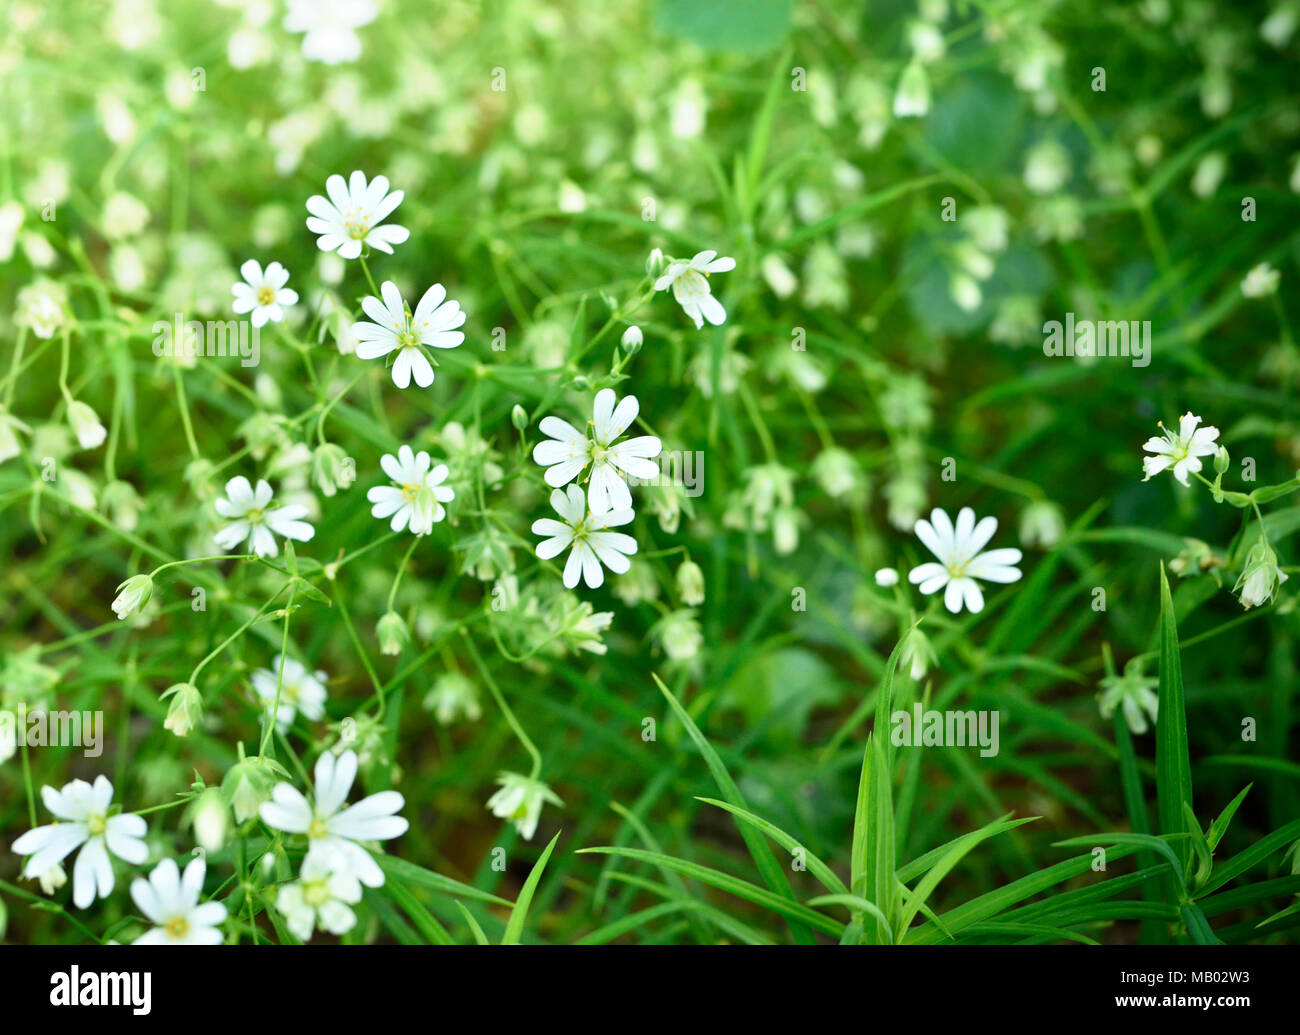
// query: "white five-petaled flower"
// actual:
[[520, 800], [396, 328], [170, 899], [332, 825], [329, 26], [322, 896], [302, 691], [689, 281], [585, 531], [417, 496], [82, 821], [250, 519], [1181, 449], [960, 560], [569, 451], [263, 292], [352, 215]]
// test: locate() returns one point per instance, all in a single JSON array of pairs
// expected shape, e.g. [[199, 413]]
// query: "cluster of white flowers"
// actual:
[[586, 517]]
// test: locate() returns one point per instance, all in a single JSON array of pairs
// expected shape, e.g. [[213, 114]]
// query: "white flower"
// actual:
[[520, 800], [85, 425], [53, 879], [433, 324], [1260, 281], [82, 821], [960, 560], [329, 26], [171, 900], [1180, 449], [1260, 577], [1133, 692], [132, 595], [42, 306], [332, 825], [418, 494], [570, 451], [264, 293], [691, 288], [251, 520], [302, 691], [352, 215], [886, 577], [585, 530], [322, 896]]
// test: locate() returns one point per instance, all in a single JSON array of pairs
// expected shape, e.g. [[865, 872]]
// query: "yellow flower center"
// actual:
[[409, 491], [96, 825], [317, 829], [356, 225], [177, 927], [316, 891], [265, 296]]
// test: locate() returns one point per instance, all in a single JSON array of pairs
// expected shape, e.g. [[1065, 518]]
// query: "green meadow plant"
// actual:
[[666, 472]]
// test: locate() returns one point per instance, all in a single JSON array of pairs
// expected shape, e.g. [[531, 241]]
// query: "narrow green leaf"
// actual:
[[515, 925], [1173, 769]]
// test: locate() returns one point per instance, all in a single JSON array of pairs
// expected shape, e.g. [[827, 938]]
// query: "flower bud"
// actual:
[[393, 634], [85, 425], [632, 340], [211, 820], [886, 577], [332, 469], [1221, 461], [132, 595], [248, 784], [1260, 576], [655, 263], [690, 584], [186, 709], [519, 417]]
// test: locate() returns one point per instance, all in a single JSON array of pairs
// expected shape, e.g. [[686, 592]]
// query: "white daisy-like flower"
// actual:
[[417, 496], [520, 800], [82, 821], [329, 26], [263, 292], [396, 328], [302, 691], [250, 519], [170, 899], [569, 451], [1181, 449], [585, 532], [352, 215], [961, 561], [689, 281], [331, 824], [322, 896]]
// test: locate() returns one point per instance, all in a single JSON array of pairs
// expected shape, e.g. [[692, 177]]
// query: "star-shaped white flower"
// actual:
[[691, 287], [417, 496], [250, 519], [170, 899], [569, 451], [333, 825], [396, 328], [352, 215], [82, 821], [263, 293], [302, 691], [960, 560], [585, 531], [1180, 449], [322, 896]]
